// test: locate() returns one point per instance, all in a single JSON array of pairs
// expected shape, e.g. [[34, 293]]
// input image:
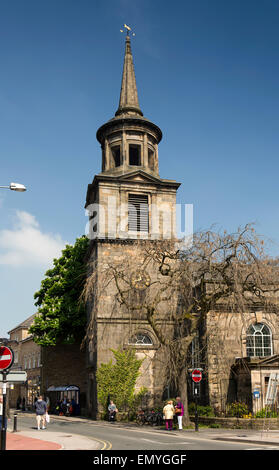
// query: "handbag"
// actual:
[[47, 418]]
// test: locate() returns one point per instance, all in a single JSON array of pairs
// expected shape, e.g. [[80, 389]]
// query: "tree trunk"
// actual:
[[183, 395]]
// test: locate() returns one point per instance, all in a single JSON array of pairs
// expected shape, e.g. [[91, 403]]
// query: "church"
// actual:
[[129, 204]]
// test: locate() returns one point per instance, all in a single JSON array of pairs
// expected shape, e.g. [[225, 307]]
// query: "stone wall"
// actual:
[[240, 423], [115, 324]]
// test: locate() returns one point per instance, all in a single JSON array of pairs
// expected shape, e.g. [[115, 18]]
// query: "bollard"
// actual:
[[15, 423]]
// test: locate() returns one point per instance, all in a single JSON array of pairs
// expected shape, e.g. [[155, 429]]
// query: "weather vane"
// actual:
[[128, 30]]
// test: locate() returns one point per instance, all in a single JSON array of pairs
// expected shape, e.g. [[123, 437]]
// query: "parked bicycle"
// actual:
[[152, 418]]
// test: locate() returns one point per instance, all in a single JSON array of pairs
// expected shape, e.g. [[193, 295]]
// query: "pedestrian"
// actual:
[[112, 411], [64, 405], [48, 404], [73, 407], [18, 403], [168, 412], [41, 409], [23, 404], [179, 412]]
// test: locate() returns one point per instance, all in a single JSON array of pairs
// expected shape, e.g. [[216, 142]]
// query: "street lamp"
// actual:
[[15, 187]]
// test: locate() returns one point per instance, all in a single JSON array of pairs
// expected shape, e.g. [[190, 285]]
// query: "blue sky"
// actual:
[[207, 75]]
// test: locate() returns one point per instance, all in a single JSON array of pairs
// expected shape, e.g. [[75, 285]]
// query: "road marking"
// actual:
[[154, 442], [107, 444], [165, 443]]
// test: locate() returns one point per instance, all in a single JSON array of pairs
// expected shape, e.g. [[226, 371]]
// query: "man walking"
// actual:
[[41, 409]]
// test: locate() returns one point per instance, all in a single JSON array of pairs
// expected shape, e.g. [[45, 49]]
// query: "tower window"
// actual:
[[138, 213], [115, 150], [134, 154]]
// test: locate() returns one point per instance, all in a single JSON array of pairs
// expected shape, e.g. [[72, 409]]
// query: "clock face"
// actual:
[[140, 280]]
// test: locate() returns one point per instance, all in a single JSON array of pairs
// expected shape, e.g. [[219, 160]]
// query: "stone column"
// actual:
[[156, 162], [124, 150], [145, 151], [107, 155]]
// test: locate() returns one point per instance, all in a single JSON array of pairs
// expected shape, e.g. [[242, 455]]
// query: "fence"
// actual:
[[237, 409]]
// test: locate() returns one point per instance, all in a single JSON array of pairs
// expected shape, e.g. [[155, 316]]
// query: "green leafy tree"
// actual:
[[61, 315], [117, 380]]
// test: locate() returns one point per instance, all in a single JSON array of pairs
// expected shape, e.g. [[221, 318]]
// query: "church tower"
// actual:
[[128, 199], [126, 202]]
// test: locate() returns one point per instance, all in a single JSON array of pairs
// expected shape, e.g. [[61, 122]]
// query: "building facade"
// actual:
[[27, 357], [129, 202], [55, 371]]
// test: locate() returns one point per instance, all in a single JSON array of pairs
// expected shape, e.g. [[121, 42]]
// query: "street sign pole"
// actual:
[[196, 377], [3, 427], [196, 409], [6, 361]]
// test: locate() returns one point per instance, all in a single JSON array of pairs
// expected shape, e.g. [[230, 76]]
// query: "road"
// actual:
[[119, 437]]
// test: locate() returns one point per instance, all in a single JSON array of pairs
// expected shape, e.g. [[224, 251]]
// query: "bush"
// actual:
[[202, 410], [214, 425], [238, 409], [266, 413]]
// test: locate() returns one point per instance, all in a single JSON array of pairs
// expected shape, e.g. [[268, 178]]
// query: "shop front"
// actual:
[[64, 399]]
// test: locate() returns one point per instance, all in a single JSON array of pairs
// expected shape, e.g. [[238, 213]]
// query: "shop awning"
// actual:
[[63, 388]]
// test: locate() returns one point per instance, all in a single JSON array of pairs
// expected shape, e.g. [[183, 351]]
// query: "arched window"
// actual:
[[258, 341], [140, 339]]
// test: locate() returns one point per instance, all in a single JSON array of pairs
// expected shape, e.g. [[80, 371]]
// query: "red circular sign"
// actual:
[[6, 357], [196, 375]]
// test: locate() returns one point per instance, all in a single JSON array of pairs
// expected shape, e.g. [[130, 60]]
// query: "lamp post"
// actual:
[[20, 188], [15, 187]]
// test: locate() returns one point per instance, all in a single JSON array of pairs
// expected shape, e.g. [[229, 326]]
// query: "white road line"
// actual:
[[164, 443]]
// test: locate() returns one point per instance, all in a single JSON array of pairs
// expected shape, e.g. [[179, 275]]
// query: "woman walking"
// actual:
[[168, 411]]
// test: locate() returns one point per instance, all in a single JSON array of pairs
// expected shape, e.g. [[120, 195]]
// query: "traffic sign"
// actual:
[[14, 376], [6, 357], [196, 375]]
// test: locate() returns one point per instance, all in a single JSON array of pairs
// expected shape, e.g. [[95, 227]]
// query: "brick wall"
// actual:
[[64, 365]]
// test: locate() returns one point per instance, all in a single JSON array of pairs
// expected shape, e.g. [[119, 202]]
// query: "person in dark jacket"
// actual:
[[41, 409], [18, 403], [112, 411]]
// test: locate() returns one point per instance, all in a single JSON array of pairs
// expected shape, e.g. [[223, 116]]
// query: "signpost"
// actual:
[[6, 361], [196, 377], [15, 376]]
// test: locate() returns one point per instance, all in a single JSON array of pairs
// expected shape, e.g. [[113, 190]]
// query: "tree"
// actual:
[[61, 315], [118, 380], [186, 283]]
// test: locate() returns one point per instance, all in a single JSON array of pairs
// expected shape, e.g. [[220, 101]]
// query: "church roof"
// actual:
[[25, 324]]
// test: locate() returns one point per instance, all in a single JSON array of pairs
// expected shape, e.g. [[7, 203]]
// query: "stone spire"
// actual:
[[128, 103]]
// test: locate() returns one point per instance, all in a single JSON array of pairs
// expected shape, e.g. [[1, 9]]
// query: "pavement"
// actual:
[[34, 439]]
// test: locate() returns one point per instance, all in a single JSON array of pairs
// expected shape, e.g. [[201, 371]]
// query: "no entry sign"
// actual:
[[196, 375], [6, 357]]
